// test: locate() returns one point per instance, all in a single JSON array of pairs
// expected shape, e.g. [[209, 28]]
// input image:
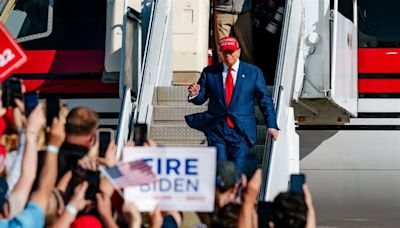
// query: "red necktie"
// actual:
[[228, 94]]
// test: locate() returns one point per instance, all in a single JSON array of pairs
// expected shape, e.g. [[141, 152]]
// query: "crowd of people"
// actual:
[[47, 181], [50, 171]]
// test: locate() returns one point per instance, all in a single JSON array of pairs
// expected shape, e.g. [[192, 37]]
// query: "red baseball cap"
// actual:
[[86, 221], [228, 43]]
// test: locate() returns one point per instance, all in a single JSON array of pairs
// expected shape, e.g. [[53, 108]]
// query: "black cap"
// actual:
[[227, 175]]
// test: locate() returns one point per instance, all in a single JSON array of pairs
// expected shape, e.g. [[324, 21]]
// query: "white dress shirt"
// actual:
[[234, 73]]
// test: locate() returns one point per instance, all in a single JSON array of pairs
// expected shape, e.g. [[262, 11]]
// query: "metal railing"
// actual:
[[141, 72], [283, 151]]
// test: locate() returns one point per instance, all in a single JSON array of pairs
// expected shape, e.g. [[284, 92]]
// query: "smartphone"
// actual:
[[296, 183], [140, 134], [265, 212], [12, 89], [104, 135], [78, 176], [52, 109], [31, 100]]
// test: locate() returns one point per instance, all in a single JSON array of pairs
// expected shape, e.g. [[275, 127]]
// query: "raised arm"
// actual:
[[197, 92], [48, 174], [76, 204], [23, 186], [248, 215]]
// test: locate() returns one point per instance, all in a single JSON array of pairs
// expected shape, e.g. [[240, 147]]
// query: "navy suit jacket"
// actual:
[[249, 87]]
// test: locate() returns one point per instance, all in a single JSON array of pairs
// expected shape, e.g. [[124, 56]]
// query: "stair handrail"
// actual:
[[154, 60], [277, 96], [130, 75], [139, 79], [268, 148]]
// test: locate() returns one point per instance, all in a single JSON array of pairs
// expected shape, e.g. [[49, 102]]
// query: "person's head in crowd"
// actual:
[[289, 211], [227, 216], [227, 182], [229, 46], [81, 126]]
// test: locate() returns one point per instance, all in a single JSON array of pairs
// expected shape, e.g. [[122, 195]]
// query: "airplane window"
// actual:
[[28, 20], [378, 23]]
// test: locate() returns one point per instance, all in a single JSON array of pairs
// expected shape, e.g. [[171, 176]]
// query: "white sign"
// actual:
[[185, 178]]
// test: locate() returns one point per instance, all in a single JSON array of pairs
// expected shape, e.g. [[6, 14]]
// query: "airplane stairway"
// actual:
[[169, 128]]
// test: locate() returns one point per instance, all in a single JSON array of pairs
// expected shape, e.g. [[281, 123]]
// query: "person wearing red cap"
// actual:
[[232, 87], [234, 17]]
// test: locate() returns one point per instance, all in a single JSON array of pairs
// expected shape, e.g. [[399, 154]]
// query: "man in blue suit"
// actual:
[[232, 87]]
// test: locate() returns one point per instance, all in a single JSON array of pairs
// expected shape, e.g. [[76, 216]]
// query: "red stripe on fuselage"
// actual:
[[66, 62], [378, 85], [78, 86], [378, 60], [63, 62]]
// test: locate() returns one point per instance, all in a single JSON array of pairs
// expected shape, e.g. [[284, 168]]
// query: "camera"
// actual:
[[276, 21]]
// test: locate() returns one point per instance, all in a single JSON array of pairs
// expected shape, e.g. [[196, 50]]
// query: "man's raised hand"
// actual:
[[194, 89]]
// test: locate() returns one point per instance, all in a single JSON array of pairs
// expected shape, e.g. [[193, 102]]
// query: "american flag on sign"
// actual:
[[129, 174]]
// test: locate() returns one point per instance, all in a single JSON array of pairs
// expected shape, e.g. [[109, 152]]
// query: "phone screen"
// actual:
[[31, 100], [104, 137], [140, 134], [52, 109], [78, 176], [296, 183], [266, 210], [11, 90]]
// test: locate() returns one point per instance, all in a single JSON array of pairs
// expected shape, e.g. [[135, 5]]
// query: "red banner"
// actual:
[[11, 54]]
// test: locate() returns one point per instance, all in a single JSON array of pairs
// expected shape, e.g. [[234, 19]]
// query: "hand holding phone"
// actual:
[[296, 183], [31, 100], [140, 134], [52, 109], [12, 89], [104, 135], [78, 176]]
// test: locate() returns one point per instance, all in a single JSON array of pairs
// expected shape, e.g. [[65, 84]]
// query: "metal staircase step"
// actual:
[[257, 150], [173, 96], [168, 113], [182, 143], [172, 93], [174, 132], [177, 112], [185, 133]]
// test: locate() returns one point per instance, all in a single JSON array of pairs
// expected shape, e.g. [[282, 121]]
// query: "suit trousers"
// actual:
[[241, 25], [230, 145]]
